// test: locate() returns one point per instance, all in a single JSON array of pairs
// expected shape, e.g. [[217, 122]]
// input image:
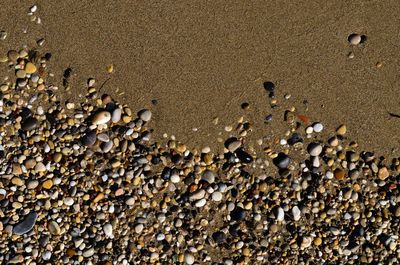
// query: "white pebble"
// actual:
[[309, 130], [216, 196], [280, 215], [189, 259], [200, 203], [33, 9], [108, 230], [68, 201], [175, 178], [296, 213], [318, 127]]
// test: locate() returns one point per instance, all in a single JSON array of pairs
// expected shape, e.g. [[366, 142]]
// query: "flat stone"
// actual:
[[26, 225], [69, 201], [40, 167], [318, 127], [17, 181], [200, 203], [101, 117], [208, 176], [32, 184], [130, 201], [198, 195], [145, 115]]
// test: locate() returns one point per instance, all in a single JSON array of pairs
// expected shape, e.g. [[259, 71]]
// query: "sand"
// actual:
[[202, 60]]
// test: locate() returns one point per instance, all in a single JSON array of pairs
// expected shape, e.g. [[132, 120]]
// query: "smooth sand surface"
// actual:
[[202, 59]]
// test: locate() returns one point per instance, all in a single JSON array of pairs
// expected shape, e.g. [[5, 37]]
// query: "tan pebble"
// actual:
[[101, 117], [246, 252], [40, 167], [383, 173], [317, 241], [20, 73], [99, 197], [341, 130], [17, 170], [47, 184], [17, 181], [57, 157], [30, 68], [378, 64], [54, 228], [110, 68], [30, 163]]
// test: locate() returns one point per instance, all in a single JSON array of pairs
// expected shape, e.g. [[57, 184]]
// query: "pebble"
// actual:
[[69, 201], [341, 130], [101, 117], [200, 203], [383, 173], [88, 253], [48, 184], [54, 228], [314, 149], [145, 115], [238, 214], [116, 115], [30, 68], [339, 174], [354, 39], [26, 225], [296, 213], [281, 161], [29, 124], [108, 230], [234, 145], [216, 196], [189, 259], [139, 228], [208, 176], [89, 138], [318, 127], [280, 215], [3, 35], [243, 156]]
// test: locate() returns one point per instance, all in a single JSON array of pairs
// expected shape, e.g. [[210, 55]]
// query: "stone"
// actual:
[[238, 214], [130, 201], [216, 196], [116, 115], [383, 173], [17, 181], [189, 259], [339, 174], [54, 228], [208, 176], [341, 130], [296, 213], [317, 241], [26, 225], [314, 149], [69, 201], [47, 184], [40, 167], [200, 203], [108, 230], [145, 115], [89, 138], [234, 145], [29, 124], [243, 156], [318, 127], [30, 68], [280, 215], [354, 39], [281, 161], [101, 117], [88, 253], [139, 228], [198, 195]]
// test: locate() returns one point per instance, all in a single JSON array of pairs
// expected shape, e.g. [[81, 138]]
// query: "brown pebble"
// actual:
[[30, 68], [98, 198], [339, 174]]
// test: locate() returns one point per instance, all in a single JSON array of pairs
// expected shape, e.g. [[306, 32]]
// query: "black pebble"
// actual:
[[281, 161], [238, 214], [219, 237], [243, 156], [268, 118], [29, 124], [89, 138], [295, 138]]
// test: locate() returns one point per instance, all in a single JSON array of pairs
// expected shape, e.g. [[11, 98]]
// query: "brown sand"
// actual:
[[201, 60]]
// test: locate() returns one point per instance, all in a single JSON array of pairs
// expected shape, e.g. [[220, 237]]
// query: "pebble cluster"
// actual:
[[86, 184]]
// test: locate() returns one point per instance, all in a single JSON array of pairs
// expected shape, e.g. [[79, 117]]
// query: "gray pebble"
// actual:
[[145, 115], [26, 225], [314, 149]]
